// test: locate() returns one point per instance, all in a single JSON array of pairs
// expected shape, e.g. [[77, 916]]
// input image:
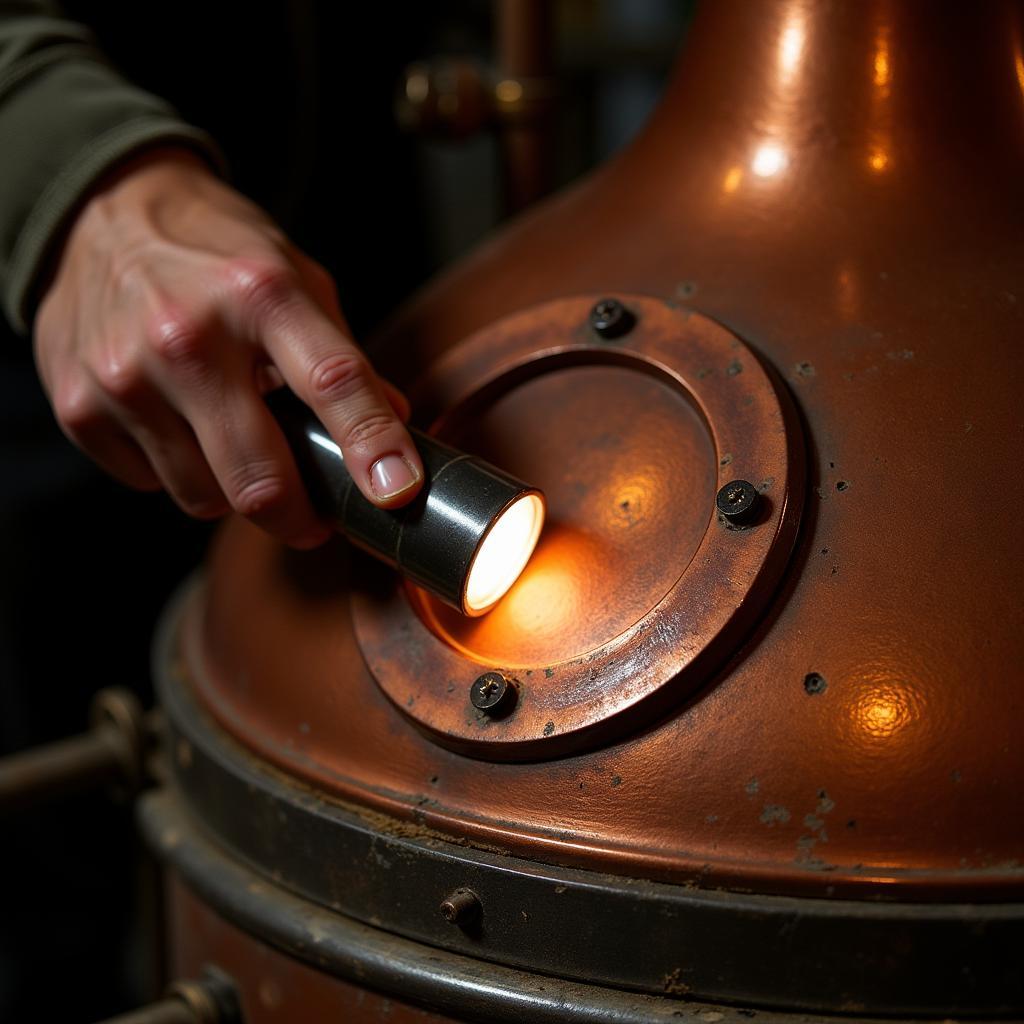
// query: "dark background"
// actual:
[[300, 97]]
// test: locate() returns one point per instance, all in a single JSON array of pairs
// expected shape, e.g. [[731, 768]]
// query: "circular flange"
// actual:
[[677, 392]]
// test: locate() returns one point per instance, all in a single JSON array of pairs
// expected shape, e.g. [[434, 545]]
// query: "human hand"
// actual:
[[176, 303]]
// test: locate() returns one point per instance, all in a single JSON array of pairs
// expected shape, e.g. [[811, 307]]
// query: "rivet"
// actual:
[[461, 907], [737, 502]]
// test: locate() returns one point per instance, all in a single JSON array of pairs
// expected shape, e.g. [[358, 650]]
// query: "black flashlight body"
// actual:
[[433, 540]]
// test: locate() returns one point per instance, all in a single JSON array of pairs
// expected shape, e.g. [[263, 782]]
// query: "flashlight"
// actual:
[[465, 537]]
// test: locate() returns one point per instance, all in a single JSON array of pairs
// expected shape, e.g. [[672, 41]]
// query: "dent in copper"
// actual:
[[637, 587], [839, 186]]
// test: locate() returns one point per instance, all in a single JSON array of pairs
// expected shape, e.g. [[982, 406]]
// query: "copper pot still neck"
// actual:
[[791, 93]]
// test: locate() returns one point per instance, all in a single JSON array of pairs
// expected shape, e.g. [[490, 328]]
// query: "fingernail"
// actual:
[[391, 475]]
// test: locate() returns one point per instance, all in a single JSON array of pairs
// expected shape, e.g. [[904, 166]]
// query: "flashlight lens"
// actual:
[[504, 553]]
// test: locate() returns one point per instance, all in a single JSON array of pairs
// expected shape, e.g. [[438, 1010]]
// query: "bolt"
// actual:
[[610, 319], [493, 694], [814, 682], [737, 503], [461, 907]]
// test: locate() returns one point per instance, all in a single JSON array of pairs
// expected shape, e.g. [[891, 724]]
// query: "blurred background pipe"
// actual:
[[112, 753]]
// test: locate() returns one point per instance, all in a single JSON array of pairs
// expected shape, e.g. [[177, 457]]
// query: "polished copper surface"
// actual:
[[638, 590], [839, 185]]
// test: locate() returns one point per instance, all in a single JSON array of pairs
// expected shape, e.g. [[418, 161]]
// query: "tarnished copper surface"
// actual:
[[271, 986], [838, 185], [636, 584]]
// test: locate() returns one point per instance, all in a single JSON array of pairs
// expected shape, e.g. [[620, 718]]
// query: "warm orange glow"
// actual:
[[880, 134], [504, 553], [732, 180], [882, 61], [1018, 63], [545, 601], [542, 618], [883, 711], [882, 64]]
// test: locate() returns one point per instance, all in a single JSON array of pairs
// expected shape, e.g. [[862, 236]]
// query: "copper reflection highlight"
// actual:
[[880, 113], [883, 712], [885, 708], [769, 160], [883, 72], [791, 45], [770, 156], [1018, 62], [732, 180]]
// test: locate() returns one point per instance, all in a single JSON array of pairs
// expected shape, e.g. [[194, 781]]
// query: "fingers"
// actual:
[[331, 375], [254, 466], [87, 424], [163, 339], [142, 443], [217, 387]]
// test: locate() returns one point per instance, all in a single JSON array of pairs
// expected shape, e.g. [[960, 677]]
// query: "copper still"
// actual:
[[770, 768]]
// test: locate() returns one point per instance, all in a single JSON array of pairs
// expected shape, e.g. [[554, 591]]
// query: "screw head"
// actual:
[[493, 694], [610, 319], [461, 907], [737, 503]]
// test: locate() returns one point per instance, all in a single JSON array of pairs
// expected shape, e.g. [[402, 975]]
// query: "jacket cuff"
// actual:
[[57, 205], [61, 131]]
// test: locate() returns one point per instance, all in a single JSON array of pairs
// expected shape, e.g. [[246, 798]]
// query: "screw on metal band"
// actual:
[[493, 694], [737, 503], [462, 907], [610, 319]]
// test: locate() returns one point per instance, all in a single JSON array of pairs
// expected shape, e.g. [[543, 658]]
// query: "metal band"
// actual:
[[766, 951], [468, 989]]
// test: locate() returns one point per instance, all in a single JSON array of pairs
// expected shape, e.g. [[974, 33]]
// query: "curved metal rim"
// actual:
[[775, 951], [469, 989], [680, 640]]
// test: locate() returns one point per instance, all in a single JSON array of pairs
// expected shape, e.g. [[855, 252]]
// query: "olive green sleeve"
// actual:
[[66, 117]]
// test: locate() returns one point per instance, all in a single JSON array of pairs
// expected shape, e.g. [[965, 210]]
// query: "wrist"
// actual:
[[124, 200], [150, 172]]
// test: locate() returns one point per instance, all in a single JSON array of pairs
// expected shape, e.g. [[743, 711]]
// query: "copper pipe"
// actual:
[[211, 1000], [524, 52], [110, 753], [59, 769], [167, 1011]]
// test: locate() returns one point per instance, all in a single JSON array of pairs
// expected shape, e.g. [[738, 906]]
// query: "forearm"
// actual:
[[66, 118]]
